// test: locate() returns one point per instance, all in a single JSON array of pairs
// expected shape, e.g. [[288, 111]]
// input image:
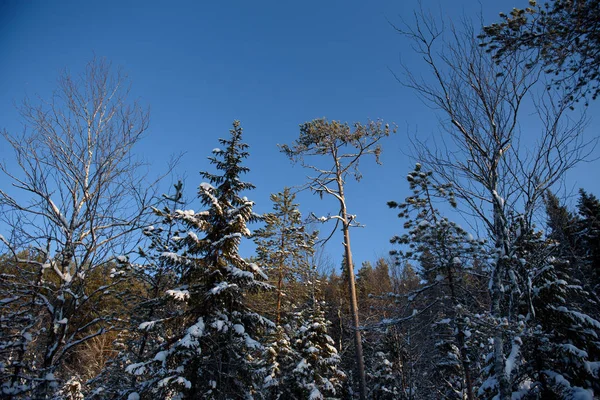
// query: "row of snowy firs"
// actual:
[[191, 318]]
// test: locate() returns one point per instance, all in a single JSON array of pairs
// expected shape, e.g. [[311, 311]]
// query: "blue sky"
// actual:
[[271, 64]]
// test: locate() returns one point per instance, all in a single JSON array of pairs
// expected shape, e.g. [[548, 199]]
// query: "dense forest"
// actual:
[[110, 289]]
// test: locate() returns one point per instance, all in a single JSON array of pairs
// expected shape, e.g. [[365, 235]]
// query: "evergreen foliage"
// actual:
[[512, 315], [279, 360], [446, 254], [561, 34], [588, 235], [154, 315], [317, 374], [284, 250], [212, 356], [384, 381], [558, 349]]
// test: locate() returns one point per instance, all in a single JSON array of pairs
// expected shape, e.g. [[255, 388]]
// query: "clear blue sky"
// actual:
[[271, 64]]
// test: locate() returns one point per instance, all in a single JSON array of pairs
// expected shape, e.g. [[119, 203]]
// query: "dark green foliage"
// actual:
[[589, 235], [576, 240], [558, 346], [212, 356], [154, 316], [384, 379], [562, 226], [562, 34], [279, 360]]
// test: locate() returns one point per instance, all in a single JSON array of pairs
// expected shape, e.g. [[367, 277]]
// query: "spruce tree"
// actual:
[[317, 375], [212, 356], [562, 226], [154, 313], [279, 360], [588, 233], [384, 381], [557, 355]]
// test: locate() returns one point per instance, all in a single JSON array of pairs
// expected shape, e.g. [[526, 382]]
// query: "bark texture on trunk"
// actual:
[[360, 363]]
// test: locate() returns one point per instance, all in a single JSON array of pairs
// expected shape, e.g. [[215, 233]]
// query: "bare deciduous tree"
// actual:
[[482, 104], [77, 197], [344, 148]]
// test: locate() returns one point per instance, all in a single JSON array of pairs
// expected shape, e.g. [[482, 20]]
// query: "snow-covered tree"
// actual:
[[575, 241], [495, 180], [317, 375], [18, 324], [588, 233], [565, 352], [71, 390], [556, 353], [279, 360], [76, 199], [153, 312], [212, 356], [384, 381]]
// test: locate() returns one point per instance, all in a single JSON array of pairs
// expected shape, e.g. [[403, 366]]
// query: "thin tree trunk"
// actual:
[[460, 338], [279, 284], [280, 278], [360, 364], [341, 326], [504, 390]]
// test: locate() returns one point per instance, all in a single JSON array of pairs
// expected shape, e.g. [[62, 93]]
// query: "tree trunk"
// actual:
[[279, 284], [504, 390], [360, 364], [460, 339]]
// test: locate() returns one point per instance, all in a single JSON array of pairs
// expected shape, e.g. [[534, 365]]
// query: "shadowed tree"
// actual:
[[494, 179], [562, 35], [446, 254]]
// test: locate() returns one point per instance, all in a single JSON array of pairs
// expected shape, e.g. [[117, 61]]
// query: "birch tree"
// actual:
[[481, 104], [76, 197], [343, 147]]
